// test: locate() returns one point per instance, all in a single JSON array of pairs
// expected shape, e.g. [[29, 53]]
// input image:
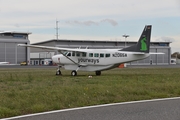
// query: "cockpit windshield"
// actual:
[[65, 53]]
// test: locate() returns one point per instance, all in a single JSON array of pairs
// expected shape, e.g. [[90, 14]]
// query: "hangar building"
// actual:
[[9, 51], [38, 56]]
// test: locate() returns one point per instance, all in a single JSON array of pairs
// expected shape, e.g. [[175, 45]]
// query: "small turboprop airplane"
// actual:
[[98, 60]]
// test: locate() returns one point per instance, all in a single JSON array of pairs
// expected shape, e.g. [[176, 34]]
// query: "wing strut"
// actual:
[[68, 57]]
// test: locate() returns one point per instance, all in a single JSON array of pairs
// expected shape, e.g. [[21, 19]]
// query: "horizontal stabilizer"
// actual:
[[156, 53]]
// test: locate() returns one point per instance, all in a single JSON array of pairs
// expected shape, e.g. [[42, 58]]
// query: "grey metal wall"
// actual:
[[10, 52], [2, 52], [22, 54]]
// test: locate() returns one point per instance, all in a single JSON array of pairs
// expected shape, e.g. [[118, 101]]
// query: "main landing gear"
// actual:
[[74, 72]]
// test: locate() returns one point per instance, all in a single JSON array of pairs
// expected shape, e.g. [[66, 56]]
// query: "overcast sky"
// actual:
[[93, 19]]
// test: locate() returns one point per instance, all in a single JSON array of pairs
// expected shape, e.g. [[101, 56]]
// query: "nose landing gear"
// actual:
[[58, 71]]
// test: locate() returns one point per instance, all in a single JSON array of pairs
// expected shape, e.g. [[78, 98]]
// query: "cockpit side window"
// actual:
[[69, 54]]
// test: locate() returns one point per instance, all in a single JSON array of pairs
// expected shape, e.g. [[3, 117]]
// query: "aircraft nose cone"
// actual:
[[56, 59], [53, 58]]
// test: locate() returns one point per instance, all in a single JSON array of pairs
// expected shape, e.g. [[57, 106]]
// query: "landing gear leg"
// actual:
[[98, 73], [74, 72], [58, 72]]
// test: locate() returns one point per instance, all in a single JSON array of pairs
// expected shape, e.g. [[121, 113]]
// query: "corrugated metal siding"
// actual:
[[2, 52], [21, 54], [10, 53]]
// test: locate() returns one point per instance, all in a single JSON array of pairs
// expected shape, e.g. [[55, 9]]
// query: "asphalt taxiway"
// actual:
[[158, 109]]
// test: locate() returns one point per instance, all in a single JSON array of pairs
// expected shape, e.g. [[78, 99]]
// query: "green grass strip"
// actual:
[[26, 91]]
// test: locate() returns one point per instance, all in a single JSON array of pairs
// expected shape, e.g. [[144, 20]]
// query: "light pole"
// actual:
[[125, 36]]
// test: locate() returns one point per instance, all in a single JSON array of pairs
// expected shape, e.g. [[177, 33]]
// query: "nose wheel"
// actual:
[[73, 73], [58, 72]]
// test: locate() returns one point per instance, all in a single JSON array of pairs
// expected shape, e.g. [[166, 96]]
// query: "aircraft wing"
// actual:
[[57, 48], [53, 48]]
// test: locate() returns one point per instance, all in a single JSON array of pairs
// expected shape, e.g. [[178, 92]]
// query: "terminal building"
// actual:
[[42, 56], [9, 51]]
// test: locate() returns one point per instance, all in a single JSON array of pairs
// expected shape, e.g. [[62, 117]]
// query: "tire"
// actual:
[[58, 72], [73, 73], [98, 73]]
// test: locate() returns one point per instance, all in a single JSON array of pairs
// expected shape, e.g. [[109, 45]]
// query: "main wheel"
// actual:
[[98, 72], [58, 72], [73, 73]]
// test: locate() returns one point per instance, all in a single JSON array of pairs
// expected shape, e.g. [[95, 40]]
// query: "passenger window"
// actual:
[[83, 54], [96, 54], [101, 55], [107, 55], [73, 53], [77, 54], [90, 54]]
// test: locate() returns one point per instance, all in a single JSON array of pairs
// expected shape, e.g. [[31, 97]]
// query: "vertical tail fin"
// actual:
[[144, 41]]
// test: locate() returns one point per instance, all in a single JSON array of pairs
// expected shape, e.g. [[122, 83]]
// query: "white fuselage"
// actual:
[[96, 59]]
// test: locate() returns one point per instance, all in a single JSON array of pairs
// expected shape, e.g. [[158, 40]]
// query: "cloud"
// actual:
[[165, 39], [86, 23], [111, 21], [90, 22]]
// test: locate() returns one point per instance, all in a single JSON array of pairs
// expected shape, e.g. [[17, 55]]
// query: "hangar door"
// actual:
[[2, 52], [21, 54], [9, 52]]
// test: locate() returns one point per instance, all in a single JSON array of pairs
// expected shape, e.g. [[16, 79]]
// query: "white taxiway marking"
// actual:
[[87, 107]]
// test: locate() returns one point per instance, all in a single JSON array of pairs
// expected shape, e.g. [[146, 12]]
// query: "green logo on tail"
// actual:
[[143, 44]]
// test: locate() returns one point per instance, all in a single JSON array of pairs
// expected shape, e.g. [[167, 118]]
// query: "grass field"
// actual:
[[25, 91]]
